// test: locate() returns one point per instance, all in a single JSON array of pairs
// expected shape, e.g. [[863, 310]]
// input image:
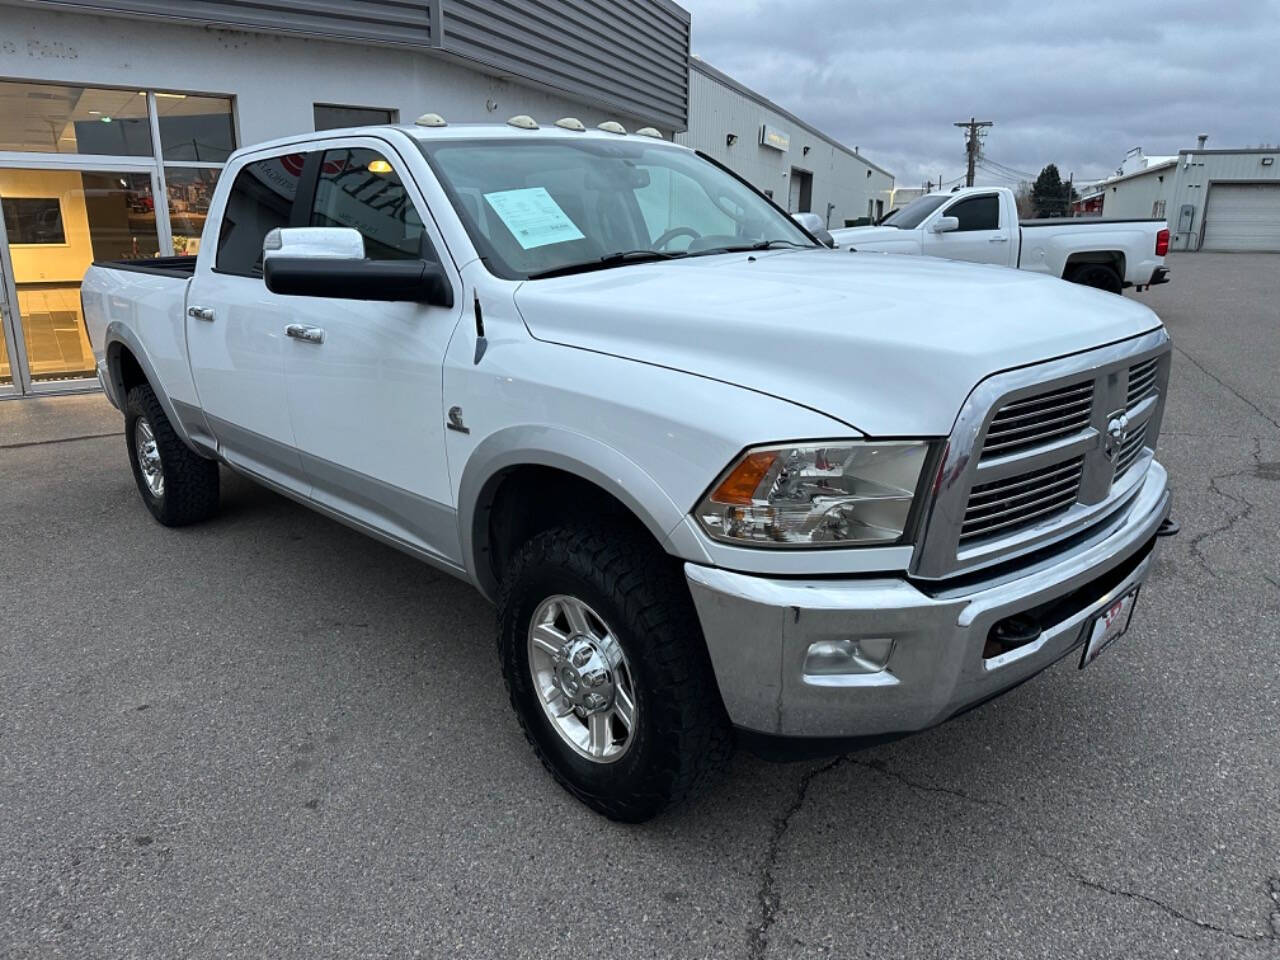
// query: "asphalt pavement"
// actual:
[[269, 736]]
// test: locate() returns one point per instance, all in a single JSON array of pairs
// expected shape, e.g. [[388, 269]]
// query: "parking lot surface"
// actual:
[[269, 736]]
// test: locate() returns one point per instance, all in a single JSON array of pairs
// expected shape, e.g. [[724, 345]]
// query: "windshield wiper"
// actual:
[[605, 262], [758, 245]]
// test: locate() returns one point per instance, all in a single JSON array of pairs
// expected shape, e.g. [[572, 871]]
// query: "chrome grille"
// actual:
[[1142, 381], [1040, 419], [1040, 453], [1006, 504]]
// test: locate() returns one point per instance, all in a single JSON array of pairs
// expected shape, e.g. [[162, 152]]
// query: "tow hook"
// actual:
[[1169, 528]]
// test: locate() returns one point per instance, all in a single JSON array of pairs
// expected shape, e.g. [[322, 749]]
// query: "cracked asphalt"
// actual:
[[271, 737]]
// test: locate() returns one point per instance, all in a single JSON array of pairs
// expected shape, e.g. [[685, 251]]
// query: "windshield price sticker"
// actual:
[[533, 217]]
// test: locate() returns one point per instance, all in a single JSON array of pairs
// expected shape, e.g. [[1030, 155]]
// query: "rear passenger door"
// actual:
[[982, 236], [235, 326], [366, 402]]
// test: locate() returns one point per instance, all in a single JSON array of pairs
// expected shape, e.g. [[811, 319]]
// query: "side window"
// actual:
[[359, 188], [977, 213], [261, 199]]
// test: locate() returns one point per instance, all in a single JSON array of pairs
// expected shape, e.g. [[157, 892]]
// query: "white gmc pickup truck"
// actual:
[[723, 483], [980, 225]]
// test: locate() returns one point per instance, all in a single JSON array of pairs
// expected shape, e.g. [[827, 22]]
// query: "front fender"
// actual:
[[561, 449]]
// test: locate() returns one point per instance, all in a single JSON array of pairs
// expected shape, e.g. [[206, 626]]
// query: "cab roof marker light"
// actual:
[[650, 132], [571, 123], [612, 126], [431, 120], [523, 121]]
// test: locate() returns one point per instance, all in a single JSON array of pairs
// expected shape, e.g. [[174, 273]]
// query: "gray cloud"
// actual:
[[1075, 84]]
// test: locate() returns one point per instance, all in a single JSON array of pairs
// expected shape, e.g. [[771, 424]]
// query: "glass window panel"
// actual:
[[330, 116], [6, 372], [48, 118], [105, 216], [359, 188], [194, 127], [189, 191], [261, 199], [977, 213]]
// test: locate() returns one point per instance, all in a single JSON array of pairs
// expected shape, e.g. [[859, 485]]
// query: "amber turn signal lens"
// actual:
[[740, 486]]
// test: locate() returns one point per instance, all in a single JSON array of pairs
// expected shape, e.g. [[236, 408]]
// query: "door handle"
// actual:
[[308, 334], [997, 240], [200, 313]]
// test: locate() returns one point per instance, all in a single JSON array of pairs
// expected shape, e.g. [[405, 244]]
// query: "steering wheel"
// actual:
[[674, 232]]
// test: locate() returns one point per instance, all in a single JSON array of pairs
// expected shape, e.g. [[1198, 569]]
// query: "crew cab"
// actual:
[[980, 225], [724, 484]]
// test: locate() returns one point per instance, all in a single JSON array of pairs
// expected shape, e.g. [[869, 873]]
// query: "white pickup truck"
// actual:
[[723, 483], [980, 225]]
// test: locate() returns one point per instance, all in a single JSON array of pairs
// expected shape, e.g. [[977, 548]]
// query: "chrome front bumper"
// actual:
[[759, 630]]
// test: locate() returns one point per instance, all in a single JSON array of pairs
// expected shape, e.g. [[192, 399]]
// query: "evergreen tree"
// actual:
[[1049, 194]]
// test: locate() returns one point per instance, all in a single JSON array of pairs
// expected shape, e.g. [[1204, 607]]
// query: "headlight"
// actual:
[[816, 495]]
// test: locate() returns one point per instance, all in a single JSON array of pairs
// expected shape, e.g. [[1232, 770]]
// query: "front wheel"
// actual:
[[177, 484], [608, 672]]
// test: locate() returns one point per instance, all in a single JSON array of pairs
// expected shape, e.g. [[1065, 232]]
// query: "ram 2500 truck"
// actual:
[[724, 484], [980, 225]]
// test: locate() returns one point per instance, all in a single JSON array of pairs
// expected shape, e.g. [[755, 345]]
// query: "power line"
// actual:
[[973, 142]]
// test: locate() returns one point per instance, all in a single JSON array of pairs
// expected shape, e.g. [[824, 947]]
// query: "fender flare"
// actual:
[[548, 446], [119, 335]]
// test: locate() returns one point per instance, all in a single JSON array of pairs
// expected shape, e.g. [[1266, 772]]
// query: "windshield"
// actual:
[[911, 216], [535, 208]]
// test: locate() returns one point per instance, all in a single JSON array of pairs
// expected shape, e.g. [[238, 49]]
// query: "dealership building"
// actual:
[[1214, 200]]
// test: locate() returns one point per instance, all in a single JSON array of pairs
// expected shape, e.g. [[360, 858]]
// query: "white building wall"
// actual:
[[275, 80], [840, 177], [1138, 196]]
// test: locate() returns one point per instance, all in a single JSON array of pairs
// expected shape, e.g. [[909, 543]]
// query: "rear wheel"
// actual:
[[1098, 275], [178, 485], [608, 672]]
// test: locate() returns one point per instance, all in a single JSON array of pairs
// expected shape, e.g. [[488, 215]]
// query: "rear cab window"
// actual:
[[260, 200]]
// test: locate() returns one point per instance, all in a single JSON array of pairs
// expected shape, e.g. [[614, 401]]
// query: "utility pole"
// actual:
[[973, 142]]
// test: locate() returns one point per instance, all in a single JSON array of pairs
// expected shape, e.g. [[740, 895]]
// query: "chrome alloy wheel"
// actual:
[[582, 678], [144, 442]]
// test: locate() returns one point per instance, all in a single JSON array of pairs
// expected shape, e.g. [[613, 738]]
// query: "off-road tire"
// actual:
[[682, 735], [1097, 275], [190, 480]]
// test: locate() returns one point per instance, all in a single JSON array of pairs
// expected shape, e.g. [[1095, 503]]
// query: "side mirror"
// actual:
[[945, 224], [813, 223], [330, 262]]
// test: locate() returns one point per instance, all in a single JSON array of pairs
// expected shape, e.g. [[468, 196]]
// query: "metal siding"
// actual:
[[1199, 174], [839, 176], [377, 21], [1137, 196], [633, 57]]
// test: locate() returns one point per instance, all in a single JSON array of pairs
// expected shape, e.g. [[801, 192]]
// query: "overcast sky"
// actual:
[[1072, 83]]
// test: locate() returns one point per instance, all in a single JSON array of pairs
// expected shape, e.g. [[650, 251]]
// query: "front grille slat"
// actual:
[[1004, 505], [1037, 420], [1142, 381]]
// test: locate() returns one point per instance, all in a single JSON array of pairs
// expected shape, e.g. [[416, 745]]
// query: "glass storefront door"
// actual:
[[57, 221]]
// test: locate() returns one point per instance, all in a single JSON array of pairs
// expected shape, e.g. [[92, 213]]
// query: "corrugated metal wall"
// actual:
[[634, 55], [378, 21], [717, 109], [1198, 171]]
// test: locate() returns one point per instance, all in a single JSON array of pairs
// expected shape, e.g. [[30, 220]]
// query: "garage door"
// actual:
[[1243, 216]]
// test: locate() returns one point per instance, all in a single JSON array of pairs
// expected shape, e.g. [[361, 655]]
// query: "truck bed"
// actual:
[[183, 268], [1085, 221]]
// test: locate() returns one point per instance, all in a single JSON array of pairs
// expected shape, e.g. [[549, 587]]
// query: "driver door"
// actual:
[[365, 399], [982, 236]]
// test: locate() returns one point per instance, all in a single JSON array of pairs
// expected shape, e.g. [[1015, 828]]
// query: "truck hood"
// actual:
[[852, 236], [890, 345]]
